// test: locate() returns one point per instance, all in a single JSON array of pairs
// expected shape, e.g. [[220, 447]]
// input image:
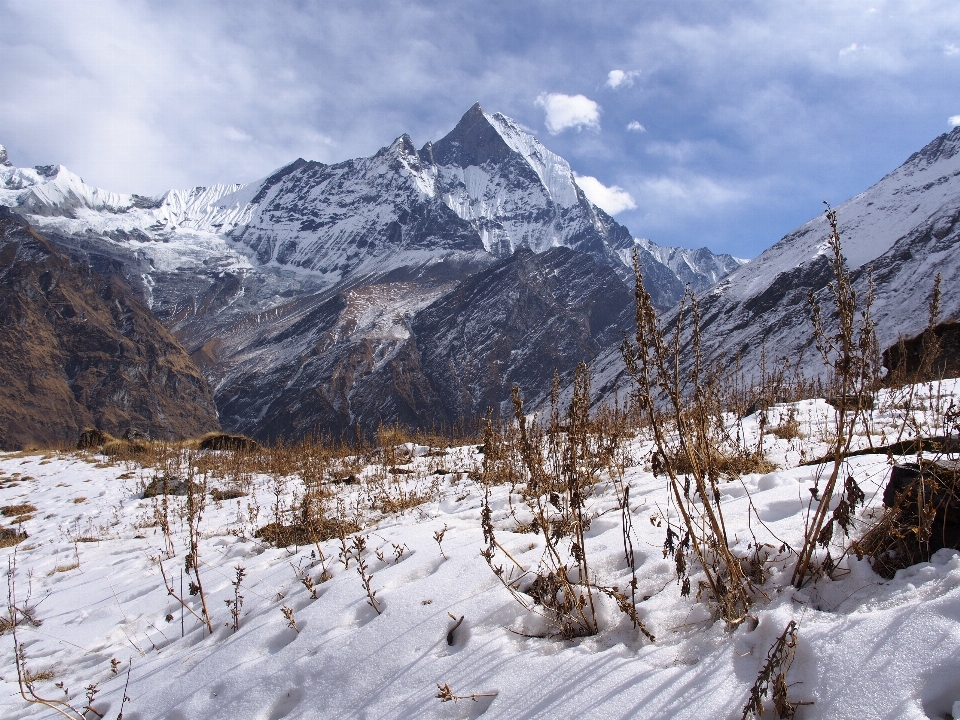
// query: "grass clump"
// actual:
[[17, 510], [305, 533], [10, 537], [921, 517]]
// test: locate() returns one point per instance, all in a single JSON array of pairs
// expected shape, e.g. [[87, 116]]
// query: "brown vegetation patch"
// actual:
[[922, 516], [728, 465], [15, 510], [224, 441], [10, 537], [227, 494], [305, 533], [390, 505]]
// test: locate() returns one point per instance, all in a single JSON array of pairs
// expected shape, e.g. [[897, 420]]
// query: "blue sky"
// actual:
[[723, 124]]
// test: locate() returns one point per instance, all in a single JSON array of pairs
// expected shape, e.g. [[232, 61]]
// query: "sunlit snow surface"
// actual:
[[868, 648]]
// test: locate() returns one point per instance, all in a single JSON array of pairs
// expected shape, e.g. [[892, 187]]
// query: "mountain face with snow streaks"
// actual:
[[304, 296]]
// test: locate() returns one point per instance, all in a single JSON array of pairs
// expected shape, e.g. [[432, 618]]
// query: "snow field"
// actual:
[[867, 647]]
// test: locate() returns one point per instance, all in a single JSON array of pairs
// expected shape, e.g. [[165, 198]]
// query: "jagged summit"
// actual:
[[482, 140], [474, 141], [4, 161], [942, 148]]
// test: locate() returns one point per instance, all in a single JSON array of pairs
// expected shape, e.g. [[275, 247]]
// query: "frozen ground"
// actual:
[[867, 647]]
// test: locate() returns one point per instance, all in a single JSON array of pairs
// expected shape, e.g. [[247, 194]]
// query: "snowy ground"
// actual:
[[867, 648]]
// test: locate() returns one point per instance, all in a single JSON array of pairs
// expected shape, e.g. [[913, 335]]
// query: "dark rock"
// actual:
[[905, 360], [922, 517], [133, 435], [223, 441], [902, 478], [91, 438], [168, 485]]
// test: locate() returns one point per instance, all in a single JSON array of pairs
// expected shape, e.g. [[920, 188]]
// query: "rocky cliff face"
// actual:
[[78, 349]]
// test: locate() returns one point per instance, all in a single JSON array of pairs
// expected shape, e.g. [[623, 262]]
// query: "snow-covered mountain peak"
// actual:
[[403, 151], [4, 161], [480, 140], [699, 268], [402, 147], [53, 190]]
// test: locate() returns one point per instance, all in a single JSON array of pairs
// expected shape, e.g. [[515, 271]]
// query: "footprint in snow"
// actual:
[[286, 704]]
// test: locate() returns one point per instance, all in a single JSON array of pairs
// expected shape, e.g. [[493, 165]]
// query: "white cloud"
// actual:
[[954, 120], [634, 126], [621, 78], [850, 49], [611, 199], [568, 111], [951, 49], [232, 133], [692, 194]]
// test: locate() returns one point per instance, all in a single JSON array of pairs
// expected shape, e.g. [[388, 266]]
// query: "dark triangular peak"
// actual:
[[473, 141]]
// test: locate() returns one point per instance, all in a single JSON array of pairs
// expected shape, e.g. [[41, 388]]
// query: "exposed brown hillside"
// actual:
[[78, 350]]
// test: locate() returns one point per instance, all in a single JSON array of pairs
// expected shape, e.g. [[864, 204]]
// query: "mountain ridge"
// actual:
[[314, 276]]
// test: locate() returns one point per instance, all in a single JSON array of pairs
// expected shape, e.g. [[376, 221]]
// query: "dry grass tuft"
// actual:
[[10, 537], [15, 510], [227, 494], [923, 516], [224, 441]]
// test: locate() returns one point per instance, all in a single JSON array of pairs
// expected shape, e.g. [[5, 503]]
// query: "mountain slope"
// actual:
[[79, 350], [906, 228], [444, 355]]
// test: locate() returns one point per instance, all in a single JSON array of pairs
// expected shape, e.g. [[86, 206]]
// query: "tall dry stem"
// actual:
[[851, 356], [684, 413]]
